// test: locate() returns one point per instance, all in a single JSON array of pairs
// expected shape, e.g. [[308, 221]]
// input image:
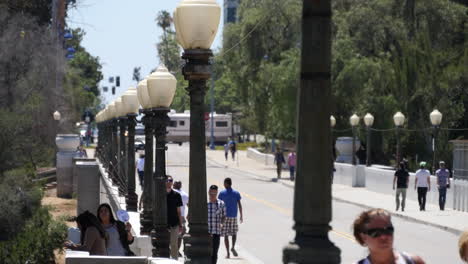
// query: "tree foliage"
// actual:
[[387, 56]]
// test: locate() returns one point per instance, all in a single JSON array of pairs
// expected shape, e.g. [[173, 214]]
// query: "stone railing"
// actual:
[[267, 159], [81, 257], [380, 179]]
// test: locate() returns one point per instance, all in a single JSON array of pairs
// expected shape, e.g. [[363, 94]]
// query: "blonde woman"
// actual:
[[463, 246]]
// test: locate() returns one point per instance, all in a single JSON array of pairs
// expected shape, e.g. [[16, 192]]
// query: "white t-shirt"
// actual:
[[184, 196], [422, 175]]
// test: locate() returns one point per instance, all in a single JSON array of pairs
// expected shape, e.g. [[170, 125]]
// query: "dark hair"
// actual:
[[177, 184], [111, 215], [359, 225], [214, 187], [142, 156], [228, 181], [402, 165], [87, 219]]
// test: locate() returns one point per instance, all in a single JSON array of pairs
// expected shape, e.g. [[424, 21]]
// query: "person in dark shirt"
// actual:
[[174, 216], [401, 179]]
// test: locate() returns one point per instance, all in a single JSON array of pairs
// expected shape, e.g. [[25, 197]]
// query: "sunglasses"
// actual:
[[169, 180], [376, 232]]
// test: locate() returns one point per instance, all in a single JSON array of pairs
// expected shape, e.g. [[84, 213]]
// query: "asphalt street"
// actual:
[[267, 226]]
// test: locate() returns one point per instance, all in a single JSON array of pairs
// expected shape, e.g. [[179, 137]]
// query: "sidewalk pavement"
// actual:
[[450, 220]]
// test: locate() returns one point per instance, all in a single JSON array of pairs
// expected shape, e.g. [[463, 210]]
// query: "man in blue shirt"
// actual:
[[231, 199], [443, 182]]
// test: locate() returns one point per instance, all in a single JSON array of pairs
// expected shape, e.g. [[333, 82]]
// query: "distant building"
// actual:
[[230, 11]]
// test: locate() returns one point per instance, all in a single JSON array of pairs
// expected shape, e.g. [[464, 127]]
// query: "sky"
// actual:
[[123, 34]]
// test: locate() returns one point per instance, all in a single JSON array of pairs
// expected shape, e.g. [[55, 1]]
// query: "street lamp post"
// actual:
[[369, 121], [122, 153], [436, 119], [161, 89], [195, 34], [146, 218], [399, 120], [312, 191], [130, 100], [113, 164], [354, 121], [212, 143]]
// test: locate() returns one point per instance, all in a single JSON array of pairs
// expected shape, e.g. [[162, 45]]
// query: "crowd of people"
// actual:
[[422, 183]]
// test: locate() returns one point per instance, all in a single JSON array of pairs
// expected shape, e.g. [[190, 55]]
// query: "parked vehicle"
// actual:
[[179, 127], [139, 144]]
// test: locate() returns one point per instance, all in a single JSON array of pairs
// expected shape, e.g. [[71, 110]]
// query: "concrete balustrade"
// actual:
[[267, 159], [380, 179]]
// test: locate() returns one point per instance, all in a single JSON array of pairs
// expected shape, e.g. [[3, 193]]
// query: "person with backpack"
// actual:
[[374, 229]]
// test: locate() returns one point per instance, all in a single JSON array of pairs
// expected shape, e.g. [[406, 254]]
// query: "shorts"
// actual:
[[230, 227]]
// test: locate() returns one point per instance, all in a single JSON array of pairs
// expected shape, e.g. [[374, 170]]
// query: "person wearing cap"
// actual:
[[443, 182], [423, 183]]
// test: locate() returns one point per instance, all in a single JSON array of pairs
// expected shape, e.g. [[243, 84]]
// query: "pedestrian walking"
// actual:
[[183, 211], [216, 218], [401, 179], [443, 183], [463, 246], [226, 151], [292, 158], [119, 235], [374, 229], [174, 216], [81, 152], [279, 160], [232, 200], [93, 235], [141, 169], [233, 148], [423, 183]]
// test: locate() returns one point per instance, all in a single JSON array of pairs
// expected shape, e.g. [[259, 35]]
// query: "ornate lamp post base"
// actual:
[[160, 239], [312, 248], [197, 247]]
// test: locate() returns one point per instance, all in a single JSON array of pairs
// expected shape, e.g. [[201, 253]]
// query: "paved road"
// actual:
[[268, 218]]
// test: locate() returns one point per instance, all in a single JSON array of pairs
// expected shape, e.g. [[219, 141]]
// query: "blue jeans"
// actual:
[[442, 196], [291, 172]]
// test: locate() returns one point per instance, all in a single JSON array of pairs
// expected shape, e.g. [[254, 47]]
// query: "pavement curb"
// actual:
[[405, 217]]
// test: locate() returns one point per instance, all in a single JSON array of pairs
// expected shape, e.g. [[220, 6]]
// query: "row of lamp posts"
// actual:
[[195, 34], [399, 120]]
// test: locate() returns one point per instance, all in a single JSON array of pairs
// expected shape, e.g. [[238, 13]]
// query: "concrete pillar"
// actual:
[[455, 193], [359, 176], [89, 189], [460, 159], [75, 177], [67, 145]]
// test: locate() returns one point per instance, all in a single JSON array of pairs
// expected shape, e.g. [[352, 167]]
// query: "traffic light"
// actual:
[[117, 81], [113, 90]]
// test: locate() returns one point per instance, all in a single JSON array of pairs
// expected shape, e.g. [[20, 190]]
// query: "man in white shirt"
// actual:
[[141, 169], [185, 199], [423, 183]]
